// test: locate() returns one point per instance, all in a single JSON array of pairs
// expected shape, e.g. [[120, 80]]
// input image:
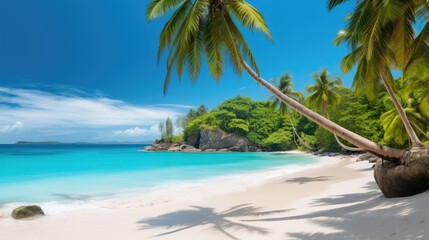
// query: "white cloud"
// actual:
[[137, 131], [10, 128], [175, 106], [77, 116], [44, 109]]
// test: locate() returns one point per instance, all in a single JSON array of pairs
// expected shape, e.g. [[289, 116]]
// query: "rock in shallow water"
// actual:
[[27, 212]]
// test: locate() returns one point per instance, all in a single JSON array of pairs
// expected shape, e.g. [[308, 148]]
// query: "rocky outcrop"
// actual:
[[368, 157], [27, 212], [194, 140], [188, 148], [207, 140], [170, 147], [217, 139], [157, 146]]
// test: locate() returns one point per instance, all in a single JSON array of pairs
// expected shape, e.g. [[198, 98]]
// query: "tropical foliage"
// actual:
[[257, 121], [324, 92], [264, 125], [379, 33], [167, 130], [205, 27], [381, 37], [285, 85]]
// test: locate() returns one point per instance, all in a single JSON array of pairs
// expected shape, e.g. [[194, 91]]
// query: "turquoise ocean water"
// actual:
[[45, 173]]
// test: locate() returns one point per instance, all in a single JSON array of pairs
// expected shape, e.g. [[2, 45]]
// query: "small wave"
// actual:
[[182, 191]]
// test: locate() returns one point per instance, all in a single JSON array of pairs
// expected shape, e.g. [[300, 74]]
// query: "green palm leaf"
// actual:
[[158, 8], [205, 28]]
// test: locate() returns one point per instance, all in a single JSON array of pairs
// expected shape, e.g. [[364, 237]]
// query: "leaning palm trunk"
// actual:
[[405, 174], [384, 152], [415, 141]]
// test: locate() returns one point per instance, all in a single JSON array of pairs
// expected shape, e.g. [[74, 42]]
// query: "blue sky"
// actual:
[[86, 70]]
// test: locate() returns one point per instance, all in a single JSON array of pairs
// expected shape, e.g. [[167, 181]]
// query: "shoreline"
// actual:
[[273, 193], [335, 200], [175, 191]]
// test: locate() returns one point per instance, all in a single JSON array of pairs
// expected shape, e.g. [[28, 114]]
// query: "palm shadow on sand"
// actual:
[[205, 216], [362, 216], [304, 180]]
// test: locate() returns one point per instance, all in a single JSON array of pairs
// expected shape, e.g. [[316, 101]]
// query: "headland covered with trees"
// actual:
[[272, 126]]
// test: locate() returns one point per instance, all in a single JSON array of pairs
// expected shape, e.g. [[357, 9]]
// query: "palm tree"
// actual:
[[201, 110], [208, 27], [419, 89], [324, 92], [285, 85], [393, 127], [323, 95], [381, 37]]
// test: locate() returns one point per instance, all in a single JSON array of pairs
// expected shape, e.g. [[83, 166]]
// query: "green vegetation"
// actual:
[[267, 124], [167, 128], [167, 132], [257, 121], [381, 37]]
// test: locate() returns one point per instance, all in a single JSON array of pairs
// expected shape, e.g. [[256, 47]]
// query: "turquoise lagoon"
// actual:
[[63, 173]]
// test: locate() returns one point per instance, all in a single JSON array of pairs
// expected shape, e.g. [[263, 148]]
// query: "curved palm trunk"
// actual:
[[420, 130], [352, 149], [386, 153], [295, 133], [415, 141]]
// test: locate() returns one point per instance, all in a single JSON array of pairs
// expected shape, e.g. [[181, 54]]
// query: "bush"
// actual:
[[325, 141], [279, 141]]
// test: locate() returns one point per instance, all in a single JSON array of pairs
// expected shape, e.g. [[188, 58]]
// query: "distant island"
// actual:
[[39, 143], [75, 143]]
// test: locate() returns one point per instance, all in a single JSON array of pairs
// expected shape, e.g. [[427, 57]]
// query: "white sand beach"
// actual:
[[339, 200]]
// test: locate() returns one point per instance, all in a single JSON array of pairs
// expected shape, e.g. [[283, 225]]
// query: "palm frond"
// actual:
[[249, 16], [170, 28], [420, 51], [334, 3], [158, 8]]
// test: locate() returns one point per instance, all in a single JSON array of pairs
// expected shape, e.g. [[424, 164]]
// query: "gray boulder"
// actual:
[[368, 157], [188, 148], [175, 147], [194, 140], [27, 212], [217, 139], [157, 146], [209, 150], [223, 150]]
